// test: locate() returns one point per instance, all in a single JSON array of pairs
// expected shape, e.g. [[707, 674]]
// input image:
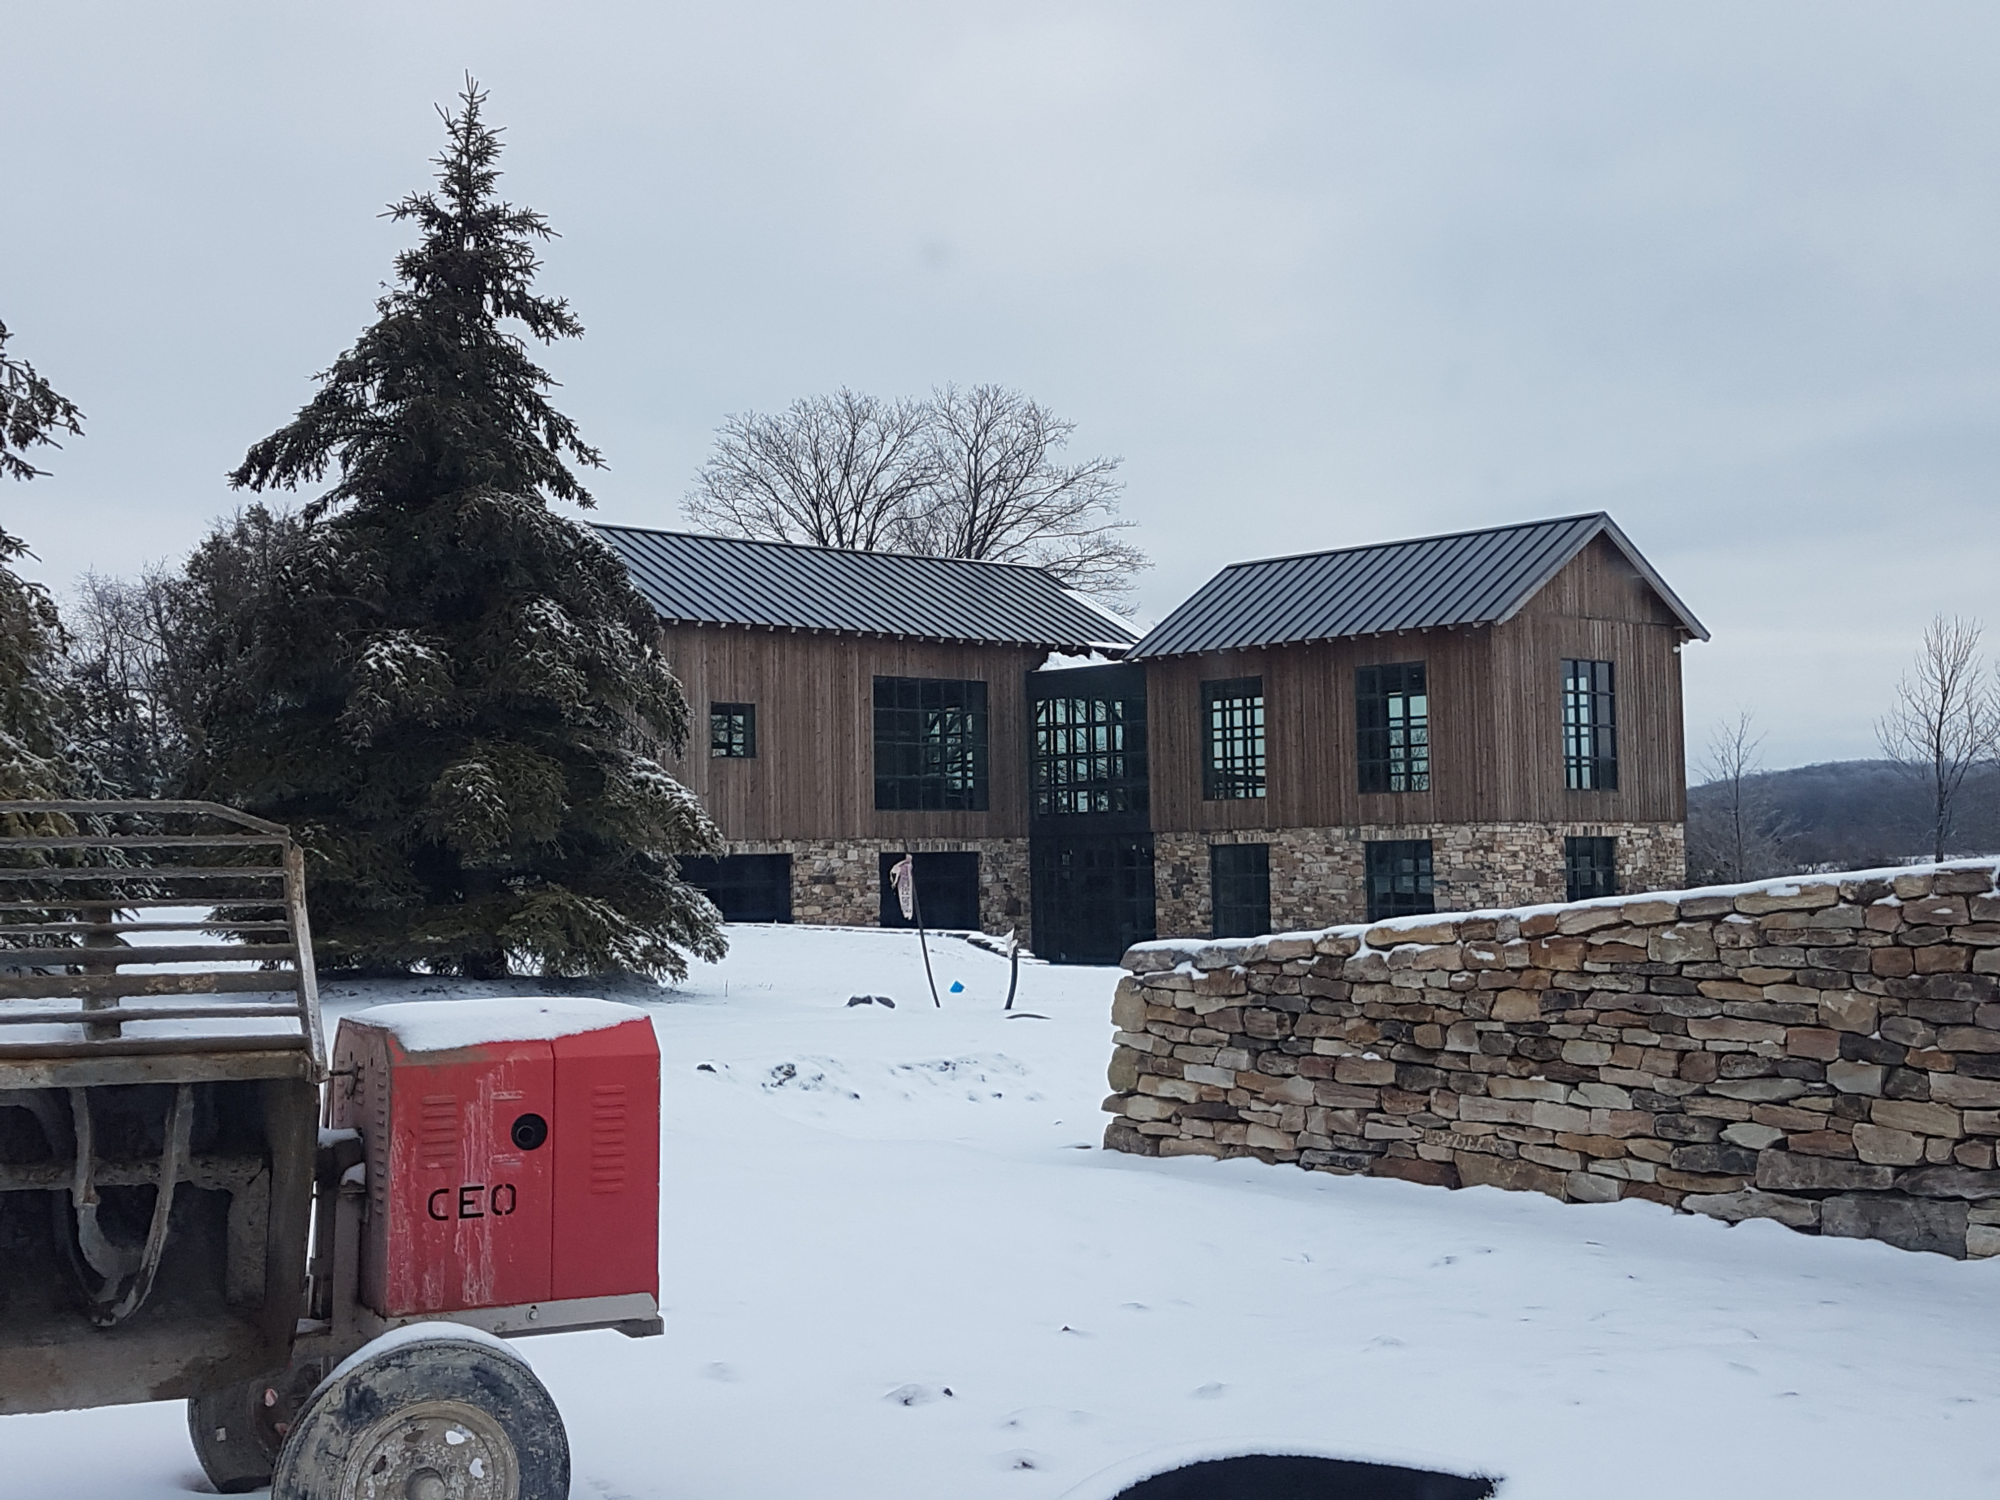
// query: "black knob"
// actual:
[[530, 1131]]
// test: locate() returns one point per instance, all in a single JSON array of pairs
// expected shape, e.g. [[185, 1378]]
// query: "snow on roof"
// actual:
[[445, 1025]]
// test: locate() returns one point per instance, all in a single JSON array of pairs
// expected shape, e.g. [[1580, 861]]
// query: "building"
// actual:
[[1487, 718], [851, 707]]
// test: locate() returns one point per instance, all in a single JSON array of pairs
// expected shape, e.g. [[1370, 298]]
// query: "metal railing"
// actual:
[[196, 883]]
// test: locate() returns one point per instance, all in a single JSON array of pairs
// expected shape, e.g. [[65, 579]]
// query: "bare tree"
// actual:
[[967, 473], [1945, 720], [837, 471], [999, 492], [1734, 835]]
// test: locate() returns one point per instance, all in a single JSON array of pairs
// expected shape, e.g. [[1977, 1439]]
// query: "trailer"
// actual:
[[324, 1251]]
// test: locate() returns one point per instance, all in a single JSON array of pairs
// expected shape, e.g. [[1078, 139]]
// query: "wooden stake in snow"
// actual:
[[903, 875], [1013, 965]]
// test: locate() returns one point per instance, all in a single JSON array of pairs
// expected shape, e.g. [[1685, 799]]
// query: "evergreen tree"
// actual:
[[451, 693]]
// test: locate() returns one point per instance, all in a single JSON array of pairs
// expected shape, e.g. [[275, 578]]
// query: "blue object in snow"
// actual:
[[957, 988]]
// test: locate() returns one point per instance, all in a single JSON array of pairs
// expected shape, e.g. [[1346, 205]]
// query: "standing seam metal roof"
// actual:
[[713, 580], [1467, 578]]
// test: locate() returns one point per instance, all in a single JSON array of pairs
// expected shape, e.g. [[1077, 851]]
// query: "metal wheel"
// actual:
[[238, 1431], [440, 1416]]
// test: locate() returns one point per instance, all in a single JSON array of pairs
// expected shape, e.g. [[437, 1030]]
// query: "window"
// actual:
[[1590, 868], [1399, 878], [1089, 756], [1093, 895], [1590, 727], [744, 887], [1239, 879], [732, 731], [1392, 710], [1232, 714], [930, 744]]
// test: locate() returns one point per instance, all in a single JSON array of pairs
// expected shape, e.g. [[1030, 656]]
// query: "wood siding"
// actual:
[[813, 776], [1495, 717]]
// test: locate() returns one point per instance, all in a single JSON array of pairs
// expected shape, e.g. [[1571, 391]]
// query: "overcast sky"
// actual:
[[1321, 273]]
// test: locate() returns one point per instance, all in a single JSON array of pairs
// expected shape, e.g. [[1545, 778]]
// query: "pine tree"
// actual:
[[451, 693]]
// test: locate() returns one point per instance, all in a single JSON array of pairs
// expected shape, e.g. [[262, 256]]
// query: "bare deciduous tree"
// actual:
[[1734, 837], [1945, 720], [965, 473], [1000, 493], [837, 471]]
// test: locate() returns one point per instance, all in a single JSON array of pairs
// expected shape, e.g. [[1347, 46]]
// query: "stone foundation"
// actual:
[[837, 882], [1823, 1051], [1316, 873]]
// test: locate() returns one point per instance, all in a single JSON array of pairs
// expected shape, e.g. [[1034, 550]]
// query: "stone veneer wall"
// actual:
[[1316, 873], [837, 882], [1823, 1051]]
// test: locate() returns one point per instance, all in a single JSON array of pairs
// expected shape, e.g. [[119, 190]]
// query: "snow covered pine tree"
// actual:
[[453, 695]]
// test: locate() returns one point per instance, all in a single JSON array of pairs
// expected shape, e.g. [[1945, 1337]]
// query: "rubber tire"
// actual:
[[243, 1458], [448, 1366]]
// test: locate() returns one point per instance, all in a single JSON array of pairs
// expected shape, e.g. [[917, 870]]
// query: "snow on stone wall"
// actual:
[[1823, 1051]]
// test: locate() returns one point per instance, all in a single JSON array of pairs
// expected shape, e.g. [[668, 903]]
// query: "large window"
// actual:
[[1399, 878], [1089, 756], [1590, 727], [1590, 868], [930, 744], [1393, 711], [1240, 882], [732, 731], [745, 887], [1232, 715]]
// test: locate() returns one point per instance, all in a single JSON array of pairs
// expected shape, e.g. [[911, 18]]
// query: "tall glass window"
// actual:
[[1089, 756], [1393, 712], [1590, 727], [1232, 713], [1239, 882], [930, 744]]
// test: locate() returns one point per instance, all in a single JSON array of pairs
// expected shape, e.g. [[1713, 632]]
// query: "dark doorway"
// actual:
[[947, 892], [744, 887], [1274, 1476], [1093, 896]]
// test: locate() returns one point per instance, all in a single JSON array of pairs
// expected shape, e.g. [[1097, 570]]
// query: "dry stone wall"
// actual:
[[1823, 1051]]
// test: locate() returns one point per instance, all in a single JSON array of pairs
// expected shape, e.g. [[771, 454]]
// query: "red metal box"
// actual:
[[512, 1148]]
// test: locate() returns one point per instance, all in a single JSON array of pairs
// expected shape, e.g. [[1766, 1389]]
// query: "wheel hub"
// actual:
[[434, 1450]]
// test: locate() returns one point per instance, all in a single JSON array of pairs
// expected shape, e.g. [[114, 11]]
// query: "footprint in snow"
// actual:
[[725, 1373], [1210, 1391], [916, 1395]]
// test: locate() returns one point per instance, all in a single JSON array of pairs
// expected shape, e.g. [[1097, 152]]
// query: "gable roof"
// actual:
[[1466, 578], [712, 580]]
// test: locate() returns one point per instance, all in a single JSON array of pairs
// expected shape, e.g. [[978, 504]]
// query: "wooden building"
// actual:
[[1488, 718]]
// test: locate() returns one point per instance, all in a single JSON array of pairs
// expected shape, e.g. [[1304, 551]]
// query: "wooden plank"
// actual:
[[148, 806], [9, 1017], [279, 1057], [141, 841], [112, 929], [141, 903], [153, 1046], [149, 875], [191, 954], [102, 986]]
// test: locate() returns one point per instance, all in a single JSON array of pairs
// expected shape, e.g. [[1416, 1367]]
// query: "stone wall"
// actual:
[[837, 882], [1316, 873], [1823, 1051]]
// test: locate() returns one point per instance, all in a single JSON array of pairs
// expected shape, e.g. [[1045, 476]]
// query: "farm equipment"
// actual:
[[323, 1254]]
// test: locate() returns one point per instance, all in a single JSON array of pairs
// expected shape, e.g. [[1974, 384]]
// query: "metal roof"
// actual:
[[1467, 578], [714, 580]]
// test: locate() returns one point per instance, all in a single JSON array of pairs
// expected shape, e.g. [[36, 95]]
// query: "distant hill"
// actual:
[[1841, 814]]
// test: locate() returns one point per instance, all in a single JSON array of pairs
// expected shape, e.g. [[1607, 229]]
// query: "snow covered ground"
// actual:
[[898, 1266]]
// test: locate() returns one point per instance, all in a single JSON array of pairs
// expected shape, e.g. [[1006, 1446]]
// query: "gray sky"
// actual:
[[1322, 273]]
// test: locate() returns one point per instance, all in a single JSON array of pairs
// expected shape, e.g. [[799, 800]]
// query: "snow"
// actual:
[[443, 1025], [866, 1209]]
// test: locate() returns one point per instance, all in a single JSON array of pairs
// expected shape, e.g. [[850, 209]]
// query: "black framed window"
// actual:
[[1398, 873], [732, 731], [1089, 756], [1590, 868], [930, 744], [1239, 881], [744, 887], [1232, 716], [1393, 711], [1590, 727]]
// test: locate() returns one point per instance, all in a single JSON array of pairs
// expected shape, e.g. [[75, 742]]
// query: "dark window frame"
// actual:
[[1590, 868], [1087, 756], [1239, 888], [1398, 878], [1392, 727], [1233, 762], [1590, 725], [932, 751], [732, 731]]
